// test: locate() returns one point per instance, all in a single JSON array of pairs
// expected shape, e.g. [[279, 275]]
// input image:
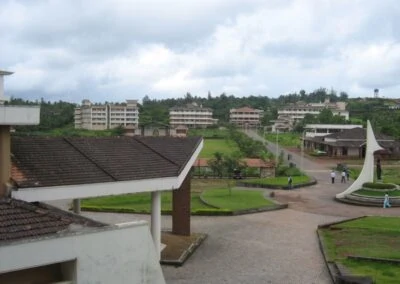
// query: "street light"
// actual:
[[277, 148], [302, 149]]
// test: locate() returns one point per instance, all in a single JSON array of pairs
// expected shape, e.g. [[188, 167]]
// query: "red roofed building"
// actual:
[[246, 117]]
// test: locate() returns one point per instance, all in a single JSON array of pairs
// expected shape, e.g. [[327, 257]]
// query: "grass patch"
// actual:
[[281, 181], [236, 199], [210, 133], [376, 237], [381, 273], [285, 139], [141, 202], [224, 146]]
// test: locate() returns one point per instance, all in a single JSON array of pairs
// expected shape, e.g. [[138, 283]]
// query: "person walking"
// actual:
[[333, 175], [386, 201], [343, 180], [290, 181], [348, 174]]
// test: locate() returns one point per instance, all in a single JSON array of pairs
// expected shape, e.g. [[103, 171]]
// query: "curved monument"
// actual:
[[367, 172]]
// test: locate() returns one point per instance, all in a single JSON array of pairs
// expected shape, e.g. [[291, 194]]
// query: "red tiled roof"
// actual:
[[39, 161], [245, 109], [22, 220], [251, 163]]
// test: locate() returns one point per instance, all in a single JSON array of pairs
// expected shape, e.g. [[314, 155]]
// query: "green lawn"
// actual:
[[281, 181], [376, 237], [209, 133], [223, 146], [215, 190], [235, 199], [285, 139]]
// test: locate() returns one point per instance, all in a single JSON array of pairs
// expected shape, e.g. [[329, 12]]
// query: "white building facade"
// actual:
[[292, 114], [245, 117], [191, 116], [107, 116]]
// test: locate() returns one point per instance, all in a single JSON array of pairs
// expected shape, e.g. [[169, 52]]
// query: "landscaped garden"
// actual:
[[278, 182], [366, 239], [223, 146], [217, 193], [287, 139]]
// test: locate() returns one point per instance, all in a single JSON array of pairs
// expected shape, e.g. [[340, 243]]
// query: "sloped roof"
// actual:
[[356, 134], [39, 161], [24, 220], [245, 109]]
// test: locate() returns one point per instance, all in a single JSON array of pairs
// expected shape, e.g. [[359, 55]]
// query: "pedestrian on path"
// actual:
[[386, 202], [343, 180], [333, 175], [347, 174], [290, 181]]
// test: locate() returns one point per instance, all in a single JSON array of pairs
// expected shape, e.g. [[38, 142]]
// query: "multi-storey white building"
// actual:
[[107, 116], [245, 116], [290, 115], [192, 116]]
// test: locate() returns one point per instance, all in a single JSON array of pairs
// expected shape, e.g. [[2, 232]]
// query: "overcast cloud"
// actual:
[[112, 50]]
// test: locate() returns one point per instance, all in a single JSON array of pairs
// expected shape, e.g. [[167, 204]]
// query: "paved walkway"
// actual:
[[270, 247]]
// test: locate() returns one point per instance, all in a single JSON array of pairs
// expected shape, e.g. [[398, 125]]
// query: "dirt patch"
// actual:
[[178, 246]]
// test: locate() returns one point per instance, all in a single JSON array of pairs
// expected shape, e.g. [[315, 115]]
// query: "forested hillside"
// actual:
[[384, 115]]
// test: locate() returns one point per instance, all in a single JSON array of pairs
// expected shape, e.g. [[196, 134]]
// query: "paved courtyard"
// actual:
[[270, 247]]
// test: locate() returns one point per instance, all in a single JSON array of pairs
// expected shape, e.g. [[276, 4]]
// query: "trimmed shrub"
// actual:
[[378, 185], [283, 170]]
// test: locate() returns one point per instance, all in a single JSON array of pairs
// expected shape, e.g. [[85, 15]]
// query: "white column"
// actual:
[[77, 206], [156, 220]]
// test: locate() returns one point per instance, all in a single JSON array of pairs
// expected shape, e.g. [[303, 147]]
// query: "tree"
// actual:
[[217, 164]]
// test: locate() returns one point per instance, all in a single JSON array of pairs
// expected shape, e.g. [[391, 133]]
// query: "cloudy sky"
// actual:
[[125, 49]]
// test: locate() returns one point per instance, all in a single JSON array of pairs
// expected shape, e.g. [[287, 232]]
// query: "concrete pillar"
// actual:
[[77, 206], [156, 220], [5, 158], [181, 209]]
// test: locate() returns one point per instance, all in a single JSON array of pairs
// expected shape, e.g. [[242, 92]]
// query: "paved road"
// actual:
[[271, 247]]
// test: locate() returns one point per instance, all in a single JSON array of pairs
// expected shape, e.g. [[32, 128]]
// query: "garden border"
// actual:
[[338, 273], [275, 186]]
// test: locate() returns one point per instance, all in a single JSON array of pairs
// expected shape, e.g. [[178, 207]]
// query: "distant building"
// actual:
[[107, 116], [351, 143], [292, 114], [159, 129], [191, 116], [314, 130], [245, 117]]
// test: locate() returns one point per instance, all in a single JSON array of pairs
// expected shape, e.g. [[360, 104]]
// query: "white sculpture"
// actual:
[[367, 172]]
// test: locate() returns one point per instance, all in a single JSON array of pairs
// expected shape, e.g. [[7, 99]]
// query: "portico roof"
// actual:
[[60, 168]]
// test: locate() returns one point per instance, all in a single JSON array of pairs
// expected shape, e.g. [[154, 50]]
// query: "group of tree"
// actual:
[[156, 111]]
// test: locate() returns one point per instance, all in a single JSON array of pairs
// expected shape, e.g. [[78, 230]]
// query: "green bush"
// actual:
[[286, 171], [379, 185]]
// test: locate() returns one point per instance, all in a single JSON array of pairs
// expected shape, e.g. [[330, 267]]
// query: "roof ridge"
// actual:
[[158, 153], [89, 159]]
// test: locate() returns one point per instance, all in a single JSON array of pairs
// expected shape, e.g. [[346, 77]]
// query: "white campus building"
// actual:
[[293, 113], [191, 116], [245, 117], [107, 116]]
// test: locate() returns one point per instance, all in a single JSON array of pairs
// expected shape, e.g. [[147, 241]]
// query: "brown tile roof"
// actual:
[[245, 109], [24, 220], [251, 163], [38, 161]]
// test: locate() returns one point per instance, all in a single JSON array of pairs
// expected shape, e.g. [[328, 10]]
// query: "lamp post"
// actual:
[[277, 147], [302, 150]]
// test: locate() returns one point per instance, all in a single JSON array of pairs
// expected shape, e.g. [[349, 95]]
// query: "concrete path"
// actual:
[[270, 247]]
